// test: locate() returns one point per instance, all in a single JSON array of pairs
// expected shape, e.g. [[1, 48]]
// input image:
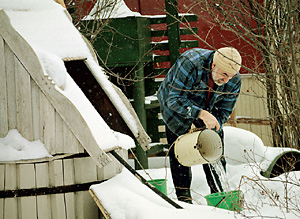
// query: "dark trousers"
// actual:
[[182, 175]]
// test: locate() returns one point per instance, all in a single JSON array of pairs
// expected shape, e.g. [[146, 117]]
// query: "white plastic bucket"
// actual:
[[198, 147]]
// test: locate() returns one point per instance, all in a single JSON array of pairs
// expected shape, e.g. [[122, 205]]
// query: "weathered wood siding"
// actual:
[[251, 109], [25, 107], [55, 173]]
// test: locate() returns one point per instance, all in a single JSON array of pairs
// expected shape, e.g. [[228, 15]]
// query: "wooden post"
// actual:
[[139, 106], [173, 29]]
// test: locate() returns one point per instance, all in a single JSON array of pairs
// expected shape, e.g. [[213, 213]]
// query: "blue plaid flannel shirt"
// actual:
[[183, 93]]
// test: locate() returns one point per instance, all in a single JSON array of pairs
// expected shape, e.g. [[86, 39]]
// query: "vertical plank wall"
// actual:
[[252, 104], [60, 172], [25, 107]]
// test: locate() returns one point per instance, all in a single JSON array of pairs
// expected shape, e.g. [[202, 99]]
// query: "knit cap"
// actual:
[[228, 59]]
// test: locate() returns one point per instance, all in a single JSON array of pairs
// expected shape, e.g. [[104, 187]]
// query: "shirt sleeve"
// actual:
[[185, 74]]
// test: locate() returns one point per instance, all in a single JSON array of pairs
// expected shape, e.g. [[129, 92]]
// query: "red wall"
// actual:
[[207, 29]]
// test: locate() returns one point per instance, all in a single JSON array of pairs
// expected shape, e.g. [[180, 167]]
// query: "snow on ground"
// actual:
[[124, 196]]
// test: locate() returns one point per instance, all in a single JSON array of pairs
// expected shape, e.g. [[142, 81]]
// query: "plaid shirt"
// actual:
[[183, 93]]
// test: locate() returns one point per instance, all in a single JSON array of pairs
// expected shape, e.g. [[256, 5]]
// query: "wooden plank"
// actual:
[[26, 176], [10, 177], [26, 180], [58, 209], [11, 208], [70, 141], [59, 134], [11, 87], [11, 204], [161, 58], [2, 206], [27, 207], [188, 31], [2, 177], [104, 212], [3, 94], [23, 100], [64, 106], [42, 180], [108, 171], [48, 124], [158, 20], [158, 33], [188, 18], [85, 206], [165, 45], [35, 103], [69, 179]]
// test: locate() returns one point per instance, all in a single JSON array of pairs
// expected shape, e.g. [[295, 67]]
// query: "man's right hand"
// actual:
[[209, 120]]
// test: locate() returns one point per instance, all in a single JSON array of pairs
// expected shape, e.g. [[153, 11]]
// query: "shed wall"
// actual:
[[251, 108], [63, 173]]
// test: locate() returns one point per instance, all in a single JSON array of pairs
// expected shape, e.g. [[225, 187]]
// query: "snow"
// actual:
[[124, 196], [14, 147], [117, 10]]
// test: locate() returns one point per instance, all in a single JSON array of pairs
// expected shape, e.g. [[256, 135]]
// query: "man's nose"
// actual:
[[226, 79]]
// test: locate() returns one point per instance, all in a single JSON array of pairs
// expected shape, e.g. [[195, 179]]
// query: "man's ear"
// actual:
[[213, 65]]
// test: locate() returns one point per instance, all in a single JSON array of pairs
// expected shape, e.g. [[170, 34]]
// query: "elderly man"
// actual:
[[201, 88]]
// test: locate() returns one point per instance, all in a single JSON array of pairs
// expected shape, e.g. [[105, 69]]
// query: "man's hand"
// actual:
[[209, 120]]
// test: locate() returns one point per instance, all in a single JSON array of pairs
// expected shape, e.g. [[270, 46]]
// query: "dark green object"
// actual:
[[232, 200], [160, 184], [283, 163], [173, 29], [125, 42]]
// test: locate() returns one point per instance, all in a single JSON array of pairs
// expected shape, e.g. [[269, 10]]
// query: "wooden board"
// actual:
[[11, 87], [23, 102], [42, 180], [3, 95], [26, 179], [10, 184], [104, 212]]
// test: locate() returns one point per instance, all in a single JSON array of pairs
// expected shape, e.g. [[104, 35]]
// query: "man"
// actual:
[[201, 88]]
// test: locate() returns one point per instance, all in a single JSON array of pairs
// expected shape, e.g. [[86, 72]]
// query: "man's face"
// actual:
[[219, 76]]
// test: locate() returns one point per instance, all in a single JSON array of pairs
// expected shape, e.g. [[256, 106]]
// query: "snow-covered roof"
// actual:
[[47, 27], [117, 10]]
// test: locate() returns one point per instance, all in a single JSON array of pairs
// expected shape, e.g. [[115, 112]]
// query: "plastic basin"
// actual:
[[160, 184], [232, 200]]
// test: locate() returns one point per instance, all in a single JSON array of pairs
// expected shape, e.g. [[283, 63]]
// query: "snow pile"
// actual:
[[14, 147], [117, 10]]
